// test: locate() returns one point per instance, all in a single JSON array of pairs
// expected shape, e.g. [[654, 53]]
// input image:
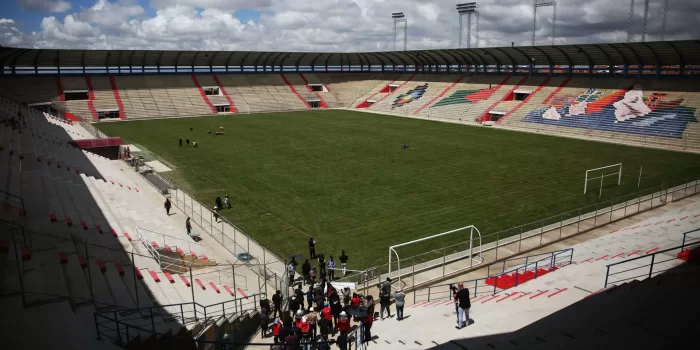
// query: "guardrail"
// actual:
[[654, 262], [12, 201], [478, 286], [187, 246], [184, 313]]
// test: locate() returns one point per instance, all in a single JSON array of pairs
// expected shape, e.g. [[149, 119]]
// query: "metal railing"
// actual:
[[649, 261], [483, 285], [525, 237], [187, 246], [9, 200], [183, 313]]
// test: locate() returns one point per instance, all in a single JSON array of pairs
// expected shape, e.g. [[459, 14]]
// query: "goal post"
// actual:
[[601, 173], [471, 229]]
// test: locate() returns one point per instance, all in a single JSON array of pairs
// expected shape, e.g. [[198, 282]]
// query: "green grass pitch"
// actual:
[[343, 177]]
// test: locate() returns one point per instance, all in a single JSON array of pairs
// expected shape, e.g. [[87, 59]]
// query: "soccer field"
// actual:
[[343, 177]]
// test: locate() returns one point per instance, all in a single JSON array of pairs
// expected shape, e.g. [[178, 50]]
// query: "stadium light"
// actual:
[[543, 3], [468, 9], [399, 17]]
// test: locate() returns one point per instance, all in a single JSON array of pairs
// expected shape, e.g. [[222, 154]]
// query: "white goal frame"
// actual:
[[601, 177], [471, 229]]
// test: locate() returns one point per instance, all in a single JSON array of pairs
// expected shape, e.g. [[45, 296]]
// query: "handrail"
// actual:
[[650, 265], [552, 263], [685, 235], [16, 199]]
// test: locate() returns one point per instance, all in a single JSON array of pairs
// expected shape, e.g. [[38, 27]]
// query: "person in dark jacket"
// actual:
[[305, 270], [344, 263], [299, 296], [167, 206], [321, 264], [277, 304], [219, 204], [264, 321], [385, 303], [286, 328], [312, 248], [336, 308], [464, 306], [265, 304]]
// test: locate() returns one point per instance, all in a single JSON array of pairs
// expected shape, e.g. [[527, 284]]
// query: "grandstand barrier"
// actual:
[[271, 269], [655, 259], [425, 268], [12, 202], [534, 267]]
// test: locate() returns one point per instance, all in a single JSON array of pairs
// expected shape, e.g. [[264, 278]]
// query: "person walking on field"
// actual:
[[218, 203], [344, 263], [464, 305], [399, 297], [312, 248], [167, 206], [180, 144], [227, 202], [331, 268], [188, 226]]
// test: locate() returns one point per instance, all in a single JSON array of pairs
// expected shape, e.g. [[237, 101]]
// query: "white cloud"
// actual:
[[335, 25], [45, 5]]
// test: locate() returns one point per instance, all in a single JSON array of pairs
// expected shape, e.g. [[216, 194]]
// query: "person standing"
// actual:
[[312, 318], [312, 248], [306, 270], [180, 144], [384, 303], [312, 275], [264, 321], [321, 264], [336, 308], [399, 297], [277, 303], [188, 226], [387, 285], [326, 319], [346, 296], [218, 203], [291, 271], [276, 327], [367, 323], [464, 306], [331, 268], [167, 206], [216, 214], [187, 142], [227, 202], [344, 263]]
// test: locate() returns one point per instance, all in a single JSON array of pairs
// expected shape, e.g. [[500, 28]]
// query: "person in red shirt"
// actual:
[[343, 324], [276, 330], [367, 323], [326, 319], [355, 302]]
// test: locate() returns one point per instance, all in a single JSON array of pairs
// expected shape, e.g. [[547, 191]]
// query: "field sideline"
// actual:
[[343, 177]]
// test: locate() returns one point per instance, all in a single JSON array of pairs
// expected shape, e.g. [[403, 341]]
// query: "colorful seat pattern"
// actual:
[[626, 111], [413, 95]]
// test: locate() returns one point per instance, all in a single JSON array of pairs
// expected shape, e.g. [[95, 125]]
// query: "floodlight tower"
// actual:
[[646, 17], [400, 18], [663, 20], [543, 3], [629, 21], [468, 9]]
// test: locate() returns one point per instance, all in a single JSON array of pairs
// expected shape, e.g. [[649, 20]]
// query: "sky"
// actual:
[[326, 25]]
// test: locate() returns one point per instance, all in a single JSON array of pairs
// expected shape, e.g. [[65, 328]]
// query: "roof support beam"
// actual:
[[243, 59], [36, 62], [313, 62], [327, 60], [611, 64], [634, 52], [588, 59], [177, 61], [625, 61], [281, 62], [513, 65], [653, 52]]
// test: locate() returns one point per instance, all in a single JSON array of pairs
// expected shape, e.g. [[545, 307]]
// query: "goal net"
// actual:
[[469, 245], [597, 176]]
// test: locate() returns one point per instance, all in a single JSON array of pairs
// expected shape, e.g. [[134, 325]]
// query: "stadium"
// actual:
[[163, 198]]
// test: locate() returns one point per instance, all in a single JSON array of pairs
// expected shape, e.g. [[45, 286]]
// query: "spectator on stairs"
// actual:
[[464, 305], [344, 263], [343, 325], [306, 270], [399, 298], [216, 213], [310, 297], [312, 275], [312, 318], [336, 308], [346, 296], [264, 321], [265, 304], [326, 319], [291, 272], [387, 285], [167, 206], [277, 304], [367, 324], [276, 327]]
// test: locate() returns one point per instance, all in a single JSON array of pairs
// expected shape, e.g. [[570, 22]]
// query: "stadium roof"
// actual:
[[650, 53]]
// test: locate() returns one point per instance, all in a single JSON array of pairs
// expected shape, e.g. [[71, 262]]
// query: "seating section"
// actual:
[[564, 290], [90, 238], [160, 96], [260, 93], [649, 110]]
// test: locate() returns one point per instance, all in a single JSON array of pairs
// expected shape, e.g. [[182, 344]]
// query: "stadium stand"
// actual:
[[86, 239], [569, 290]]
